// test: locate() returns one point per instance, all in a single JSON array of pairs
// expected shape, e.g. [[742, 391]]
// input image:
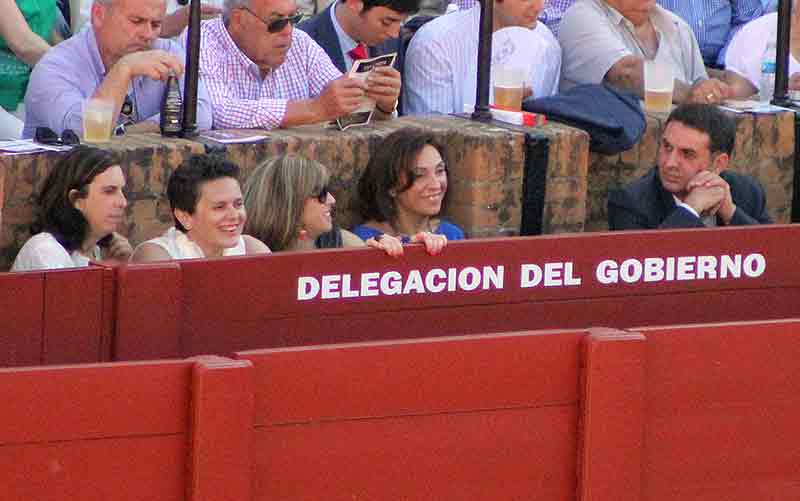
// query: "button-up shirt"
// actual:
[[714, 22], [68, 75], [594, 36], [242, 99], [441, 65]]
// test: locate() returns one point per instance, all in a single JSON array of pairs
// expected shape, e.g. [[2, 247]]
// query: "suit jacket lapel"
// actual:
[[329, 40]]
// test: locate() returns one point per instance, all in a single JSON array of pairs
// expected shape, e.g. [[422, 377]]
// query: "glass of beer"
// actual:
[[508, 87], [97, 116], [658, 86]]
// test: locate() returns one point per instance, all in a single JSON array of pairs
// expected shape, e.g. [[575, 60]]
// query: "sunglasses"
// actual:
[[277, 25], [322, 197], [45, 135]]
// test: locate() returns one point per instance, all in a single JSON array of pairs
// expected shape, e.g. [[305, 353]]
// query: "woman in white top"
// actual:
[[79, 206], [207, 206]]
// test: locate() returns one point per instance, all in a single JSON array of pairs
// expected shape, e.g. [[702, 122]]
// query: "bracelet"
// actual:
[[387, 112]]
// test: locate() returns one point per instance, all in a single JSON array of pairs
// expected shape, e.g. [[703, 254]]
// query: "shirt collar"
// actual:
[[94, 50], [658, 16], [346, 42]]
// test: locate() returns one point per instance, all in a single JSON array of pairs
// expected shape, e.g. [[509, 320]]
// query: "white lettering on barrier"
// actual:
[[392, 283], [552, 274], [655, 269]]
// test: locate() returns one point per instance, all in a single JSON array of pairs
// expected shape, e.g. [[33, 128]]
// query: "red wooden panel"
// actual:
[[722, 407], [22, 306], [612, 416], [222, 427], [409, 377], [251, 302], [521, 453], [140, 468], [619, 312], [148, 311], [74, 316], [94, 401], [246, 284]]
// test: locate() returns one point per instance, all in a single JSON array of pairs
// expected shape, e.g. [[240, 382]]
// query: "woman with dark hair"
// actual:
[[208, 209], [403, 189], [79, 206], [291, 208]]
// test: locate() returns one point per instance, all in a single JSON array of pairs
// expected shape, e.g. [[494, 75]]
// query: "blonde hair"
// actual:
[[275, 195]]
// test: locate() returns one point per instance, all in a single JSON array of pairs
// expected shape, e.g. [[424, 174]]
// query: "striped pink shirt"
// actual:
[[242, 100]]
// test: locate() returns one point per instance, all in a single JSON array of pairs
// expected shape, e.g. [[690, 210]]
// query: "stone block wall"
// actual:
[[486, 166]]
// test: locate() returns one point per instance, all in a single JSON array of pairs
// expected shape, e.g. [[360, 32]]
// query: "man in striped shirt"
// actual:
[[263, 73], [714, 22]]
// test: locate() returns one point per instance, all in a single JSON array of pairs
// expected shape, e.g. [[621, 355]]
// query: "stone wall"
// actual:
[[486, 165]]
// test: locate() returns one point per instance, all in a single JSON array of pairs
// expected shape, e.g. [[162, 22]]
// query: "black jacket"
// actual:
[[645, 204]]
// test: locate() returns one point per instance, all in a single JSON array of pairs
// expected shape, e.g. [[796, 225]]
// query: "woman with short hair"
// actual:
[[80, 205], [209, 214]]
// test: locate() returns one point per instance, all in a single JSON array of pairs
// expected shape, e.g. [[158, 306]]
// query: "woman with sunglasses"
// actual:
[[291, 208], [79, 207], [206, 202], [403, 189]]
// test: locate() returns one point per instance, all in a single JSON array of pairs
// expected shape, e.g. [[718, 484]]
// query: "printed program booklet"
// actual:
[[233, 136], [361, 70]]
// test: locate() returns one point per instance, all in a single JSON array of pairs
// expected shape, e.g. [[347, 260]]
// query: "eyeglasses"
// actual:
[[45, 135], [322, 197], [277, 25]]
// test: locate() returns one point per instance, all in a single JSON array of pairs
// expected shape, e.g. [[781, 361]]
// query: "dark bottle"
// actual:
[[172, 108]]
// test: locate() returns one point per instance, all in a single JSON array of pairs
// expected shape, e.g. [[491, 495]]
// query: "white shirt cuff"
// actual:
[[688, 208]]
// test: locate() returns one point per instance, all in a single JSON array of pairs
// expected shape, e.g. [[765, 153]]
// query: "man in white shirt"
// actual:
[[441, 63], [744, 56], [609, 41]]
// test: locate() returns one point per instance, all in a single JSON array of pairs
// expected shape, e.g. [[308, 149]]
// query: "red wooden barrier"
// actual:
[[134, 431], [484, 417], [61, 316], [257, 302], [701, 412], [722, 411]]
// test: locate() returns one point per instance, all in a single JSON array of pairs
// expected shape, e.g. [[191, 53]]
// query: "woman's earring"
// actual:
[[392, 193], [302, 234]]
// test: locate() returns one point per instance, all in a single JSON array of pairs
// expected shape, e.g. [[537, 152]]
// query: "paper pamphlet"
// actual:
[[361, 70], [232, 136]]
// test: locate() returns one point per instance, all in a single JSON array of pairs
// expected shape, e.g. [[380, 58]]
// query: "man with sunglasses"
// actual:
[[120, 59], [263, 73], [355, 29]]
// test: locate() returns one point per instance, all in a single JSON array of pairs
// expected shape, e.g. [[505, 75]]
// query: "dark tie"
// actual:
[[360, 52]]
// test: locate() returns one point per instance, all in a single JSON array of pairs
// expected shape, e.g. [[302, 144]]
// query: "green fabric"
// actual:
[[14, 73]]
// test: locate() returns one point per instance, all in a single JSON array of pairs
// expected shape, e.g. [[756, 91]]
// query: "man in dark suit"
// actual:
[[355, 29], [688, 187]]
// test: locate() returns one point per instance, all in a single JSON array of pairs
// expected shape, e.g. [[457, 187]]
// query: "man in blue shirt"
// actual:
[[714, 22]]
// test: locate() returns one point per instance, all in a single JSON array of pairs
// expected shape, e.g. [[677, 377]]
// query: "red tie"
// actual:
[[360, 52]]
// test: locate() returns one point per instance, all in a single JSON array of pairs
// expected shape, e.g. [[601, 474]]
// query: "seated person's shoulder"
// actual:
[[450, 230], [252, 245], [350, 239], [148, 252], [42, 251]]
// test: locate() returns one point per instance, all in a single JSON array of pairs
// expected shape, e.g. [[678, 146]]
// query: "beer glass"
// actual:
[[658, 86], [508, 87], [97, 116]]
